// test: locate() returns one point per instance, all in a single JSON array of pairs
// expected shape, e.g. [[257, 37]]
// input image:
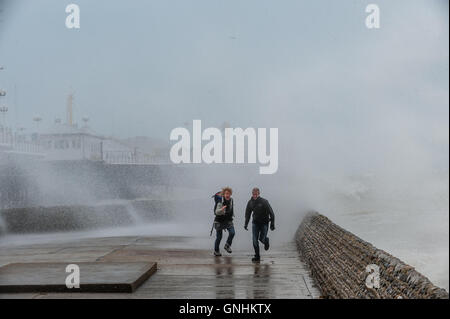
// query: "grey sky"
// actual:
[[311, 68]]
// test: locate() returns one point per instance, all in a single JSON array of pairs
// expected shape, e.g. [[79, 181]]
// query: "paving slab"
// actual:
[[94, 277]]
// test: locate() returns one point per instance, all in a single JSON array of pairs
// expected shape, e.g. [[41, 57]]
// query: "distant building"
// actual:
[[68, 142]]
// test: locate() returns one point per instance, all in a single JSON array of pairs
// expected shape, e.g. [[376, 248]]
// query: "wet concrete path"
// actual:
[[182, 272]]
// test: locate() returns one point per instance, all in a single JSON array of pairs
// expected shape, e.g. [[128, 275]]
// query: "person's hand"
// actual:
[[272, 227], [245, 227], [223, 208]]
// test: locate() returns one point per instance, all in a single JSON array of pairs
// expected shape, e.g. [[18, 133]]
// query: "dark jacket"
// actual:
[[262, 212], [227, 216]]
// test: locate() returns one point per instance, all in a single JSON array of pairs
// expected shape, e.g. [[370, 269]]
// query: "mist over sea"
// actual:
[[409, 226]]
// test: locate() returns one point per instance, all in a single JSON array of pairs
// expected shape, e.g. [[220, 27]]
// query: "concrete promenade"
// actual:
[[182, 270]]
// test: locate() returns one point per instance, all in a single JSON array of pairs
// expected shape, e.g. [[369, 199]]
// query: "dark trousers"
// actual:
[[259, 235], [219, 233]]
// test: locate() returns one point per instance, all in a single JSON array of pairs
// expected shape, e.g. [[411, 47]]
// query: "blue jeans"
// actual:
[[259, 234], [219, 232]]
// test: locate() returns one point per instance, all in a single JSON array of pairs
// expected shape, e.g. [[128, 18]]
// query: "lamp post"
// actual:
[[37, 120], [4, 138], [85, 119], [3, 111], [20, 137], [3, 108]]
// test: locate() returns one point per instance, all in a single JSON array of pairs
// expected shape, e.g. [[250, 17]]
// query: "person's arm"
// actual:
[[220, 209], [272, 216], [248, 212]]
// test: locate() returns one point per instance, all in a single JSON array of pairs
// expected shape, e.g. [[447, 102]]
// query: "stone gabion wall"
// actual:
[[338, 261]]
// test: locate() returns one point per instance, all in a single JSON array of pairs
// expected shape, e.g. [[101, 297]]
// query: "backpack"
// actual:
[[217, 200]]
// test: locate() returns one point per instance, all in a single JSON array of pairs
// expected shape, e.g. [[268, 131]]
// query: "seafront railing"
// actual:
[[128, 157], [12, 143]]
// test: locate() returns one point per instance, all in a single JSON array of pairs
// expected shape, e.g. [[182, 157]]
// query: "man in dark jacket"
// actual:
[[262, 216]]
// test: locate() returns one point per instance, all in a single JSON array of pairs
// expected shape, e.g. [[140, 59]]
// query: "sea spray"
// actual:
[[3, 228], [134, 215]]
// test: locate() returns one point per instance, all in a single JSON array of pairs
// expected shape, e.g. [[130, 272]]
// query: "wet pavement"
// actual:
[[182, 272]]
